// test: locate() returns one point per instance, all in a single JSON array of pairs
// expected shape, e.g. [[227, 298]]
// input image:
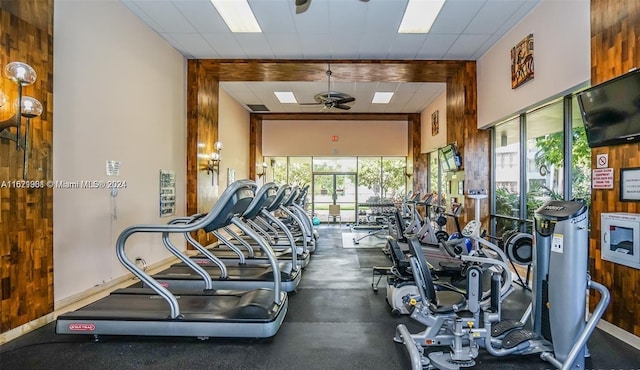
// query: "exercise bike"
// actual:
[[401, 279], [559, 332]]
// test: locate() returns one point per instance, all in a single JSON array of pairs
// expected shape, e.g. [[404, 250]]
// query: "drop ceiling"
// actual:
[[333, 30]]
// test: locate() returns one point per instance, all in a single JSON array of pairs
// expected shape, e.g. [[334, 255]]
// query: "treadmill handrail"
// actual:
[[206, 253], [232, 246], [229, 194], [287, 232], [270, 255], [296, 219], [235, 235]]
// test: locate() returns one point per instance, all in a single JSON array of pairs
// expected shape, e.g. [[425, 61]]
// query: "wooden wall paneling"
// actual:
[[473, 144], [415, 166], [615, 37], [26, 215], [202, 107], [193, 166], [255, 145]]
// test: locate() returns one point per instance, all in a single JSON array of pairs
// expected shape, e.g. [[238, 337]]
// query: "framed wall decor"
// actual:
[[630, 184], [167, 193], [435, 123], [522, 62]]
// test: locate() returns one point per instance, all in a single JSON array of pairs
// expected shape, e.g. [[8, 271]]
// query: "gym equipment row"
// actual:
[[557, 312], [225, 299]]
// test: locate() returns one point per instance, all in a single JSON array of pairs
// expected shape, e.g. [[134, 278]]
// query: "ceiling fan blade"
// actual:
[[342, 106], [302, 6], [345, 100]]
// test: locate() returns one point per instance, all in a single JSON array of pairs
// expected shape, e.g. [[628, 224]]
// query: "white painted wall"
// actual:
[[119, 94], [562, 60], [233, 131], [430, 142], [313, 138]]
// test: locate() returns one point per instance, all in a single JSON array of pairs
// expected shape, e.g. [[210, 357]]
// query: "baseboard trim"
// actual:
[[619, 333], [82, 299]]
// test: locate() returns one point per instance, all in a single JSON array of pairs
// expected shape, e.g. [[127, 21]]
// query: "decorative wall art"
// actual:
[[435, 123], [522, 62]]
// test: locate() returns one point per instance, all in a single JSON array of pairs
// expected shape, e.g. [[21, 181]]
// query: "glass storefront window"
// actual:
[[507, 175], [545, 156], [580, 157]]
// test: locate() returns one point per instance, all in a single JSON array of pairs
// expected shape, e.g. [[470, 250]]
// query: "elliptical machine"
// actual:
[[559, 331]]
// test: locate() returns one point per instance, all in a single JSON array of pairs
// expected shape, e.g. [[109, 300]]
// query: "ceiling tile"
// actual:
[[274, 16], [285, 46], [436, 46], [195, 44], [202, 15], [166, 15], [465, 46], [255, 45], [492, 16], [225, 45], [384, 16], [407, 46], [455, 15]]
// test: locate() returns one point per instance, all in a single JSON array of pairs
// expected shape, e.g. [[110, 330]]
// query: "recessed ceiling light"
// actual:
[[420, 15], [237, 15], [382, 97], [286, 97]]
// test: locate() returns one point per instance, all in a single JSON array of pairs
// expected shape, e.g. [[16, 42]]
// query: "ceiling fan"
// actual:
[[303, 5], [332, 99]]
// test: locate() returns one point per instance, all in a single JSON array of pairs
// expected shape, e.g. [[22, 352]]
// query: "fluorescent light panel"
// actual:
[[420, 15], [286, 97], [382, 97], [237, 15]]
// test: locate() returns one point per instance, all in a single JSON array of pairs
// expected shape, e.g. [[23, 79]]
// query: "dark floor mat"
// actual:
[[370, 258]]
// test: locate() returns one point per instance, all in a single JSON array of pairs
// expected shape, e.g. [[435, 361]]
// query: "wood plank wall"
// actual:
[[615, 38], [26, 215], [416, 161], [202, 133], [473, 144]]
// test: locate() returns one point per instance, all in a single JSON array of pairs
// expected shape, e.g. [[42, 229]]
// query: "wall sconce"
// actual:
[[21, 74], [264, 166], [213, 165], [408, 172]]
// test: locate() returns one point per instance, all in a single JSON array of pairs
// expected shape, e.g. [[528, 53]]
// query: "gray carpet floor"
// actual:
[[335, 321]]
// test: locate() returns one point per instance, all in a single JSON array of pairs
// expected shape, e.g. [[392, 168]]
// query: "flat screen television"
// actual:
[[611, 110], [451, 158]]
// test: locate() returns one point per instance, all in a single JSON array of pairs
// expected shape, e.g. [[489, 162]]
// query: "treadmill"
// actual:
[[155, 311], [191, 274], [244, 251], [295, 215]]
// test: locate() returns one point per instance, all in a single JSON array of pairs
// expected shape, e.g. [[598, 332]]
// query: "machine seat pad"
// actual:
[[465, 314], [516, 337], [504, 326], [446, 300]]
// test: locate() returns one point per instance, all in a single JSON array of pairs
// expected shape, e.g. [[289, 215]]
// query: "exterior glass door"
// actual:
[[334, 189]]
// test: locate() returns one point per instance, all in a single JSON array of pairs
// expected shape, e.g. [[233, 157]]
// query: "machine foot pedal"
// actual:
[[504, 326], [443, 361], [516, 337]]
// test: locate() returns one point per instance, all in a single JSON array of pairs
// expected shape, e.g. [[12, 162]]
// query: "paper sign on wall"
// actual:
[[602, 178]]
